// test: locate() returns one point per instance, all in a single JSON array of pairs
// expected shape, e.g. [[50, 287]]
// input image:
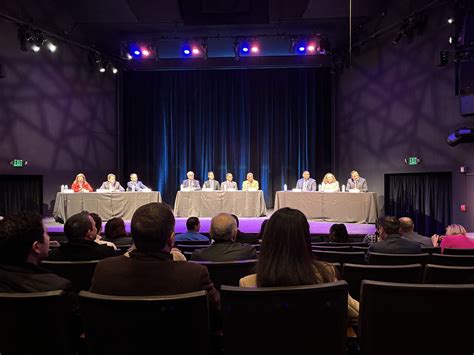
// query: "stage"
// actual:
[[247, 225]]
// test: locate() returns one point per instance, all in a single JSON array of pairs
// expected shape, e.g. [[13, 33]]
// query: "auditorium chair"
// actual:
[[353, 274], [228, 272], [331, 247], [431, 250], [413, 319], [285, 320], [458, 251], [78, 272], [124, 325], [452, 260], [37, 323], [192, 242], [442, 274], [397, 259], [360, 248], [191, 248], [340, 257]]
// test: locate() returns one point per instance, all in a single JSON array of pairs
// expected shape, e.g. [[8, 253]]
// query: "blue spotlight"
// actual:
[[301, 49], [137, 52], [245, 49]]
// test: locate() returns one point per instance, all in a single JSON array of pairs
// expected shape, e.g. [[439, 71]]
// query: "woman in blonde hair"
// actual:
[[80, 184], [330, 183], [455, 237]]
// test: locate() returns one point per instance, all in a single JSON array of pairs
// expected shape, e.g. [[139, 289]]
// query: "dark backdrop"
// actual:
[[424, 197], [21, 193], [272, 122]]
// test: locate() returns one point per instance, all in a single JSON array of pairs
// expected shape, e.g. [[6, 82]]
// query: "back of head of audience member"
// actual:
[[193, 224], [98, 222], [262, 228], [455, 229], [389, 225], [80, 226], [152, 227], [406, 225], [23, 238], [338, 233], [223, 228], [237, 222], [115, 228], [285, 256]]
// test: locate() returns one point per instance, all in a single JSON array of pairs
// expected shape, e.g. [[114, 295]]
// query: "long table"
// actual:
[[210, 203], [106, 204], [332, 207]]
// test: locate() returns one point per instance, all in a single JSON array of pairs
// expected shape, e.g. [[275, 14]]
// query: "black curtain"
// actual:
[[272, 122], [21, 193], [424, 197]]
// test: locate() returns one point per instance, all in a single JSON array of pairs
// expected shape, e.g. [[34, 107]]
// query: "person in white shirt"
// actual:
[[228, 184], [330, 183]]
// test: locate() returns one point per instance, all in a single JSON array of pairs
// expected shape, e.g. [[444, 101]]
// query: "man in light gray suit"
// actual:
[[190, 182], [407, 231], [228, 183], [356, 182], [306, 183], [211, 183], [111, 184]]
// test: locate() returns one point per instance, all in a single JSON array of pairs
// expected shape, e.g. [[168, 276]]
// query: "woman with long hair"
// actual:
[[80, 184]]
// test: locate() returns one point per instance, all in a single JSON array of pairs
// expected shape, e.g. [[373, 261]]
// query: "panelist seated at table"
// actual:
[[80, 184], [228, 184], [306, 183], [356, 182], [211, 184], [190, 183], [250, 184], [111, 184], [329, 184], [135, 185]]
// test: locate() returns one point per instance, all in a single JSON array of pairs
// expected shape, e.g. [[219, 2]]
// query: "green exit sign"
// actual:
[[18, 163], [413, 160]]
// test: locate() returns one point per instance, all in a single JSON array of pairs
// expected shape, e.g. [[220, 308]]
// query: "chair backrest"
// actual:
[[331, 247], [78, 272], [397, 259], [123, 325], [193, 242], [415, 319], [36, 323], [431, 250], [285, 320], [353, 274], [228, 272], [340, 257], [191, 248], [442, 274], [360, 248], [458, 251], [452, 260]]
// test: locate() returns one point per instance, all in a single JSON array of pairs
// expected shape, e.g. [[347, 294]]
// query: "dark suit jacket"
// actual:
[[424, 242], [394, 244], [225, 251], [246, 238], [81, 250], [151, 274]]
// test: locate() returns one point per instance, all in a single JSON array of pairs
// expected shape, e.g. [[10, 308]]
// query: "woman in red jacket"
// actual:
[[80, 184]]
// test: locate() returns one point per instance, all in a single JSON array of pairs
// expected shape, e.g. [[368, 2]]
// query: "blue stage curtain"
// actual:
[[272, 122]]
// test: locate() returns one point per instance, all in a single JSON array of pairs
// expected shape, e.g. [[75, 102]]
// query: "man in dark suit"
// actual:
[[150, 269], [392, 242], [224, 231], [407, 230], [81, 232]]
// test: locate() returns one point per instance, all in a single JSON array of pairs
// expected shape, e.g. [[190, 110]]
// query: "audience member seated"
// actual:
[[80, 232], [193, 225], [24, 243], [149, 269], [114, 232], [407, 230], [80, 184], [286, 258], [392, 242], [223, 231], [98, 225], [338, 234], [374, 237], [455, 237], [244, 237]]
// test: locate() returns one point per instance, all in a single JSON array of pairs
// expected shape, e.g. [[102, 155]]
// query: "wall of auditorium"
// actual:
[[396, 102], [57, 113]]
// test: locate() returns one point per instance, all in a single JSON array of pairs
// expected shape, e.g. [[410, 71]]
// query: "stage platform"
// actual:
[[247, 225]]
